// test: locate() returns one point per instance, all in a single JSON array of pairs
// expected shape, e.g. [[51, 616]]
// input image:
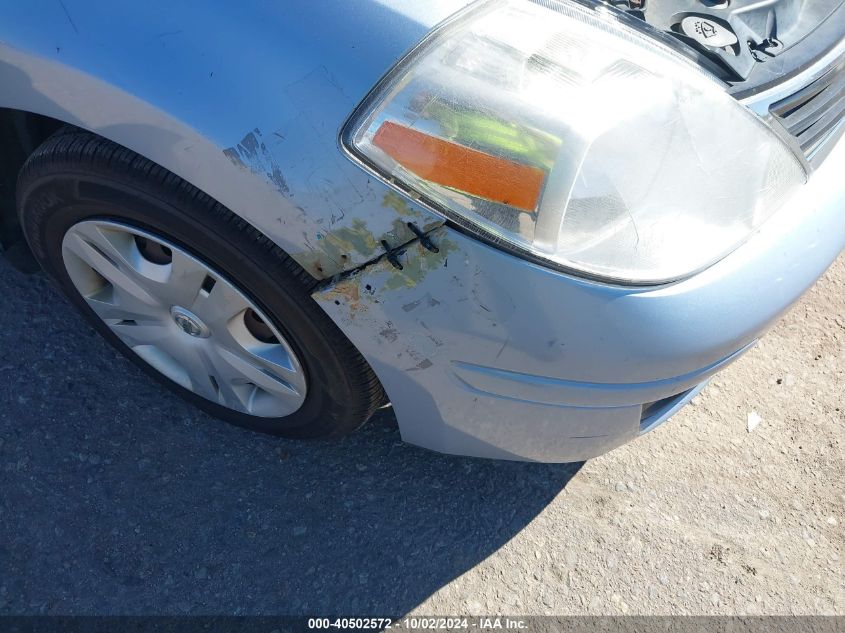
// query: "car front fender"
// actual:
[[244, 101]]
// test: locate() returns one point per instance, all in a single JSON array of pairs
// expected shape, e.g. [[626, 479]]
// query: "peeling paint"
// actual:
[[335, 249], [415, 268], [417, 263], [396, 202], [252, 154], [346, 292], [346, 215]]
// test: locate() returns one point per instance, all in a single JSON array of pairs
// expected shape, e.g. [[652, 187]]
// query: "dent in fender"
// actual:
[[407, 322], [482, 353]]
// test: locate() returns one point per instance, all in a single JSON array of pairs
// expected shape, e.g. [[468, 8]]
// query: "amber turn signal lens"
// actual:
[[460, 167]]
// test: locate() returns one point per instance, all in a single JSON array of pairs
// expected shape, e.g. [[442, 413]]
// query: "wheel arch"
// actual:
[[20, 133]]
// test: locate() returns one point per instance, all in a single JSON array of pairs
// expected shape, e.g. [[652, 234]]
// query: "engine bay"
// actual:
[[747, 43]]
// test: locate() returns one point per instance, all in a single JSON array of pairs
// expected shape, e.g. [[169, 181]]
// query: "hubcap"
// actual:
[[184, 318]]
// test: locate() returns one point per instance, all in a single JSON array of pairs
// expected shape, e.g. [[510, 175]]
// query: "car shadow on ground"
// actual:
[[119, 498]]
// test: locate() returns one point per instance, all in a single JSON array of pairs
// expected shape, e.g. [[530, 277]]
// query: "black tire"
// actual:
[[76, 175]]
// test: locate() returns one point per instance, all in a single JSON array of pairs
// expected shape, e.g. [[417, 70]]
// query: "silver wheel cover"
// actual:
[[184, 319]]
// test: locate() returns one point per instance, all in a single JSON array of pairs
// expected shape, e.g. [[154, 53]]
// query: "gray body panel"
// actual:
[[485, 354], [244, 102]]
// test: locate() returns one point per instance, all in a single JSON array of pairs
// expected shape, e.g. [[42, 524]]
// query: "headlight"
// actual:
[[561, 133]]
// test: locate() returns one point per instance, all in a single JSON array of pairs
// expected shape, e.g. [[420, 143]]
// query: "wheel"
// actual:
[[190, 292]]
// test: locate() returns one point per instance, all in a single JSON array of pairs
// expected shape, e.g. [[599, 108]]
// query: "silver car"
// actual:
[[535, 228]]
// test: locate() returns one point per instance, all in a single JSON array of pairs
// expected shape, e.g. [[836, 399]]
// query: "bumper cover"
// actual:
[[482, 353]]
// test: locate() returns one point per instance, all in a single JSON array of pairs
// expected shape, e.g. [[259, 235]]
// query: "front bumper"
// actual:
[[482, 353]]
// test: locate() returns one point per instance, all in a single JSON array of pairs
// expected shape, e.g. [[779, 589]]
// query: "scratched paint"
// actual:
[[334, 249], [343, 215], [345, 218], [416, 261], [252, 154], [414, 269], [395, 201], [257, 131]]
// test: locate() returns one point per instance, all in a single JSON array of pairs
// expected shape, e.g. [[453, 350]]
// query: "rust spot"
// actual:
[[347, 292]]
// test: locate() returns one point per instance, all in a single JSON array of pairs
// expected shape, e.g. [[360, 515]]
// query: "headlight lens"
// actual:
[[566, 135]]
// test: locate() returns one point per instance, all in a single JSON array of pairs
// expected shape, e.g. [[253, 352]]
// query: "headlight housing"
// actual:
[[559, 132]]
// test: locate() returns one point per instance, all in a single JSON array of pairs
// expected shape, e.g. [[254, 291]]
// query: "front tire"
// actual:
[[189, 291]]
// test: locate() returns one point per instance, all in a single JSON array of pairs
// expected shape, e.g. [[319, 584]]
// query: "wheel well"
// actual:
[[21, 133]]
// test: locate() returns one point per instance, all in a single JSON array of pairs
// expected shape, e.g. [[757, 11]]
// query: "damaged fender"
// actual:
[[482, 353], [432, 331], [245, 105], [418, 324]]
